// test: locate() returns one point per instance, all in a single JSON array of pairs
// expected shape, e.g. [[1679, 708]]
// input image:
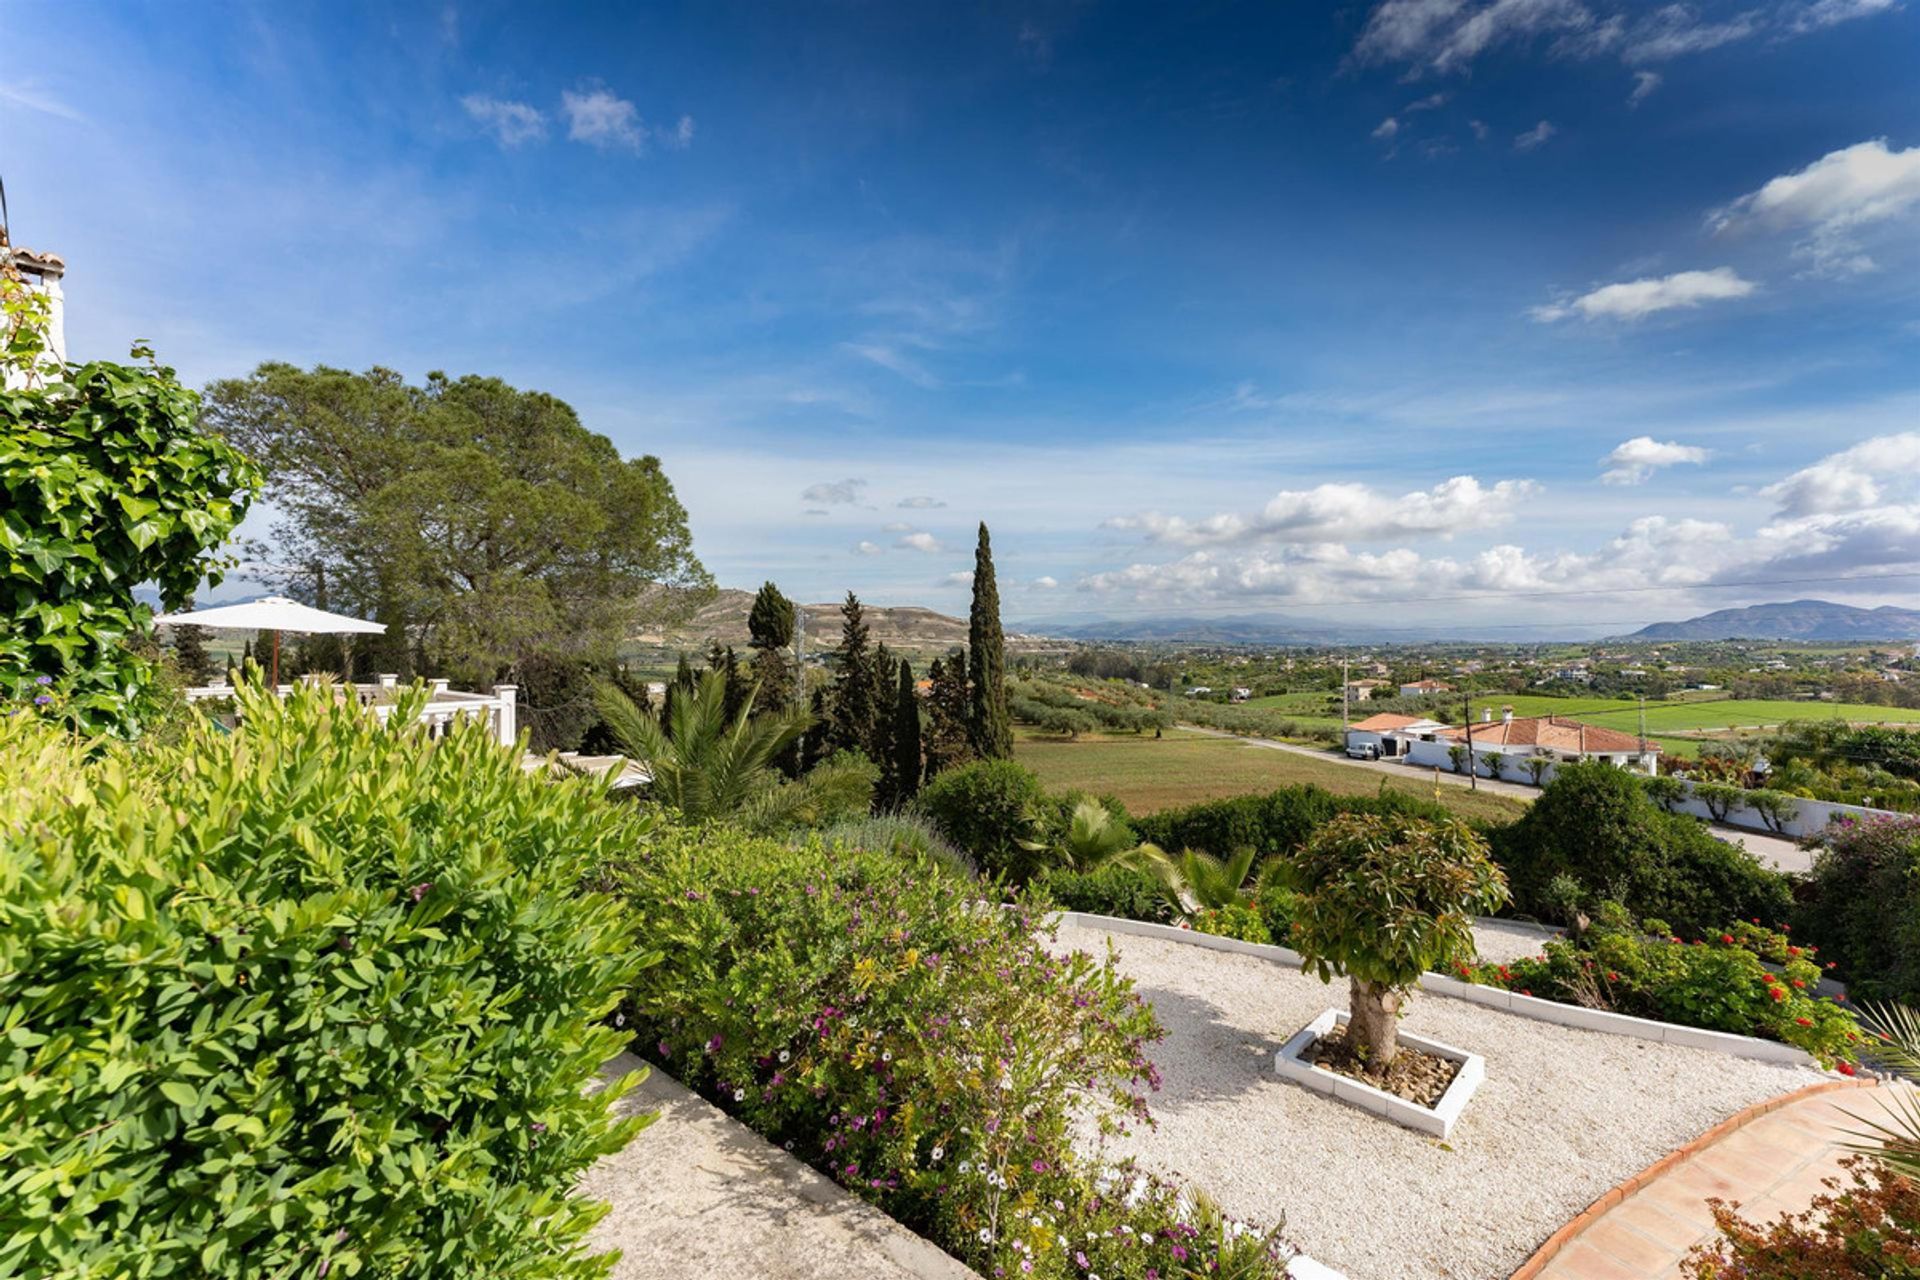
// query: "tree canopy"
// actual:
[[485, 521]]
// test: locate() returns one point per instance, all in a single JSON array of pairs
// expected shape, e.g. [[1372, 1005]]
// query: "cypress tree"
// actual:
[[946, 739], [190, 651], [904, 765], [989, 726], [770, 626], [851, 715]]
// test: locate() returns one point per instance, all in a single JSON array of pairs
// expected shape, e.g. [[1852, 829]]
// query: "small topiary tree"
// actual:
[[1668, 793], [1383, 900], [1457, 756], [1776, 808], [1536, 766], [1495, 761], [1720, 798]]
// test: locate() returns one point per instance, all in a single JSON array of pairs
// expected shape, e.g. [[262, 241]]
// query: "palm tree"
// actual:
[[1894, 1139], [708, 766], [1094, 838]]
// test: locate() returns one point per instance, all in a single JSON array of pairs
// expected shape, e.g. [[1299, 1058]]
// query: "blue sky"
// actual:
[[1208, 308]]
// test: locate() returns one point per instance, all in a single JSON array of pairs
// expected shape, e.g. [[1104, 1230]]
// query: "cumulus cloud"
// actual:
[[599, 117], [865, 548], [1852, 479], [1633, 299], [964, 578], [1644, 83], [1634, 461], [923, 542], [1046, 582], [1855, 512], [838, 493], [920, 504], [511, 123], [1535, 137], [1344, 513], [1385, 130], [1830, 201]]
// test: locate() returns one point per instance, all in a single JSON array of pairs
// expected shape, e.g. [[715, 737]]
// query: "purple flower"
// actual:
[[1081, 1258], [42, 700], [538, 1126], [421, 890], [664, 1050], [43, 680], [713, 1045]]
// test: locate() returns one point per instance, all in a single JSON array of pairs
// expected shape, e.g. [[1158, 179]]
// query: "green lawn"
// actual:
[[1148, 774]]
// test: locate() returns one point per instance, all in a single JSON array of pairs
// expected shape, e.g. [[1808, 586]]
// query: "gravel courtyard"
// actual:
[[1564, 1114]]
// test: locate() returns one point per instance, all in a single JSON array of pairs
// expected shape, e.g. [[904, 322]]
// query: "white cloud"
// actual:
[[920, 504], [1634, 299], [1045, 582], [600, 118], [1675, 30], [1635, 460], [1831, 200], [1644, 83], [680, 137], [1535, 137], [897, 526], [1432, 102], [964, 578], [865, 548], [1852, 479], [1828, 13], [511, 123], [1333, 513], [894, 361], [25, 93], [834, 492], [1385, 130], [922, 542], [1447, 35], [1480, 130]]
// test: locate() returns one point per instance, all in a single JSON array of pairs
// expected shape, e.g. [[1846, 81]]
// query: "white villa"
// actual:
[[1425, 742], [499, 709]]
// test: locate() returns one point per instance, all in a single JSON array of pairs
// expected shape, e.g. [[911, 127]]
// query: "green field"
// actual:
[[1696, 713], [1148, 774]]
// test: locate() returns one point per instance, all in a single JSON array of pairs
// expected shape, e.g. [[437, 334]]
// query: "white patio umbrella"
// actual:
[[275, 614]]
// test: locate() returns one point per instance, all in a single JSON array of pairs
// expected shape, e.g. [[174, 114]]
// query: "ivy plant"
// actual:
[[107, 482]]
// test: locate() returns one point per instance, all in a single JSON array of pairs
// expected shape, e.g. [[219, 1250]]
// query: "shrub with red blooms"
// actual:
[[886, 1022], [1721, 986], [1868, 1230], [1861, 905]]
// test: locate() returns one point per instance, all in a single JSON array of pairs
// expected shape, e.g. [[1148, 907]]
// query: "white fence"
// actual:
[[500, 709]]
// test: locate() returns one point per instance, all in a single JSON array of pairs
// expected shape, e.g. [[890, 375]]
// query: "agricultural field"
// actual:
[[1148, 774], [1732, 713]]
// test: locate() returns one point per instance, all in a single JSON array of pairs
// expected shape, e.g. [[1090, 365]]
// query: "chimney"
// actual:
[[1506, 715], [1486, 715]]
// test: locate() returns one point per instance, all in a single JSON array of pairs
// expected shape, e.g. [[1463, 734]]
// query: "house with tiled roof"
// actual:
[[1516, 739], [1388, 735], [1421, 688]]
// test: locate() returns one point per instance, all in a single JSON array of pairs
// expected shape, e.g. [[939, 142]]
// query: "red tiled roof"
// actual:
[[1553, 732], [1384, 721]]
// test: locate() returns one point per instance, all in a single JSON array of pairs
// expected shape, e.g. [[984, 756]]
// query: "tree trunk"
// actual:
[[1374, 1026]]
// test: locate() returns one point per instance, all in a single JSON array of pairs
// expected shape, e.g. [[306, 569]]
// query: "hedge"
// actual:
[[1861, 905], [1278, 822], [319, 997]]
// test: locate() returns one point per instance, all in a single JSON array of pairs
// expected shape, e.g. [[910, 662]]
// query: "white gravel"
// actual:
[[1504, 941], [1563, 1115]]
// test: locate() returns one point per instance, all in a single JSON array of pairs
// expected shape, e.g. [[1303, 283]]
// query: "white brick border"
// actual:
[[1566, 1015], [1291, 1062]]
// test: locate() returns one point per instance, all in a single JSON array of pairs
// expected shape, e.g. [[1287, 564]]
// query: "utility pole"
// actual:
[[1473, 774], [1643, 731], [1345, 687]]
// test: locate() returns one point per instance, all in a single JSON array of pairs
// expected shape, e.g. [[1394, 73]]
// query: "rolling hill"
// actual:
[[905, 628], [1806, 620]]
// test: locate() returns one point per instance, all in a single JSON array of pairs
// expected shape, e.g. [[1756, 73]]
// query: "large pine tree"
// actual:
[[190, 651], [989, 726], [947, 743], [777, 680]]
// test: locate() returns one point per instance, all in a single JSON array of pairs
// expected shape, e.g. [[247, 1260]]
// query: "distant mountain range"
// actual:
[[1806, 620], [904, 628]]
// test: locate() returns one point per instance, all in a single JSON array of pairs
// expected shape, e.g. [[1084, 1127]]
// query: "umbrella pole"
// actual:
[[276, 663]]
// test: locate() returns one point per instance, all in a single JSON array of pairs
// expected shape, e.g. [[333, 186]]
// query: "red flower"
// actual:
[[1612, 976], [1673, 939], [1525, 992], [1845, 1068], [1798, 983], [1793, 951], [1728, 938], [1839, 997], [1805, 1022], [1776, 993]]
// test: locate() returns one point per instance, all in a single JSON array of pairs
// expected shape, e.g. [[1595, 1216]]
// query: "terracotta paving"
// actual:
[[1771, 1165]]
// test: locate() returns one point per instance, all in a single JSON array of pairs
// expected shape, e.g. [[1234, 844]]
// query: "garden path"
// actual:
[[697, 1194], [1772, 1164]]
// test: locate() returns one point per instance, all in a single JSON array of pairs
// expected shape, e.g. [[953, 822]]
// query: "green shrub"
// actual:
[[1668, 793], [1597, 825], [1861, 905], [1722, 799], [917, 1044], [321, 995], [1721, 982], [1278, 822], [1232, 921], [906, 835], [993, 809], [1127, 892]]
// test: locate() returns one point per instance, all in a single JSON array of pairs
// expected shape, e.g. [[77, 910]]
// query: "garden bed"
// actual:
[[1562, 1116], [1426, 1087]]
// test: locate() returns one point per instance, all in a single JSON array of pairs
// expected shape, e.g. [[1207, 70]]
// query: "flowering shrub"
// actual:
[[322, 995], [1862, 905], [1718, 983], [877, 1017], [1869, 1230]]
